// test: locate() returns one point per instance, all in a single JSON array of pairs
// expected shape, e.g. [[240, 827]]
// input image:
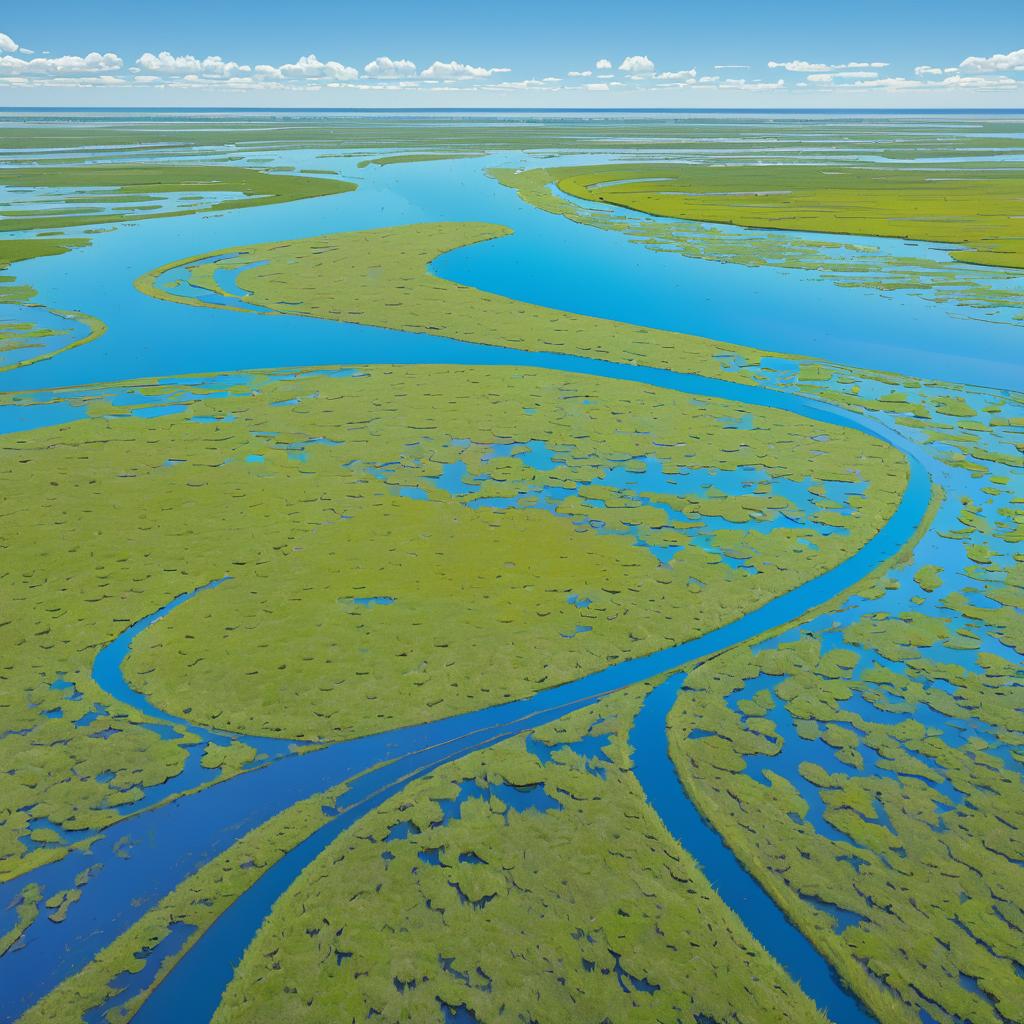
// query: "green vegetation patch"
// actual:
[[400, 545], [382, 278], [249, 187], [527, 882], [977, 209], [879, 749], [120, 192], [412, 158], [885, 803], [726, 236]]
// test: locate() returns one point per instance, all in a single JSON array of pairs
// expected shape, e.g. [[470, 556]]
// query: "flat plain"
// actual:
[[530, 569]]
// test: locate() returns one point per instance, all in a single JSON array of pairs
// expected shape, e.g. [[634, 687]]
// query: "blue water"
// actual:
[[143, 857], [656, 772], [607, 275], [107, 671]]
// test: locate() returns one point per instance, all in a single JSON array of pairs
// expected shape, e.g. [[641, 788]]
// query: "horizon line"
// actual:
[[525, 110]]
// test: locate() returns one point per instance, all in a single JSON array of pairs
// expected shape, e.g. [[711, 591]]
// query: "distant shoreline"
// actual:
[[622, 111]]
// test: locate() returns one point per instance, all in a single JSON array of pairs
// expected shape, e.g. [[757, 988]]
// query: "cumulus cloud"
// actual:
[[164, 63], [385, 67], [637, 65], [1013, 61], [454, 70], [311, 67], [189, 70], [163, 69], [90, 64]]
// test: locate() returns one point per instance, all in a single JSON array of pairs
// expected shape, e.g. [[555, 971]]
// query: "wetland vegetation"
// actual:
[[319, 628]]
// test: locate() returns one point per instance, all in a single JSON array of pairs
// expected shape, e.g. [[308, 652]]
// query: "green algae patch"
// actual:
[[192, 907], [26, 341], [15, 250], [693, 216], [21, 339], [972, 208], [527, 882], [440, 599], [381, 277], [399, 545], [852, 851], [26, 909], [245, 186], [412, 158], [866, 766], [120, 194]]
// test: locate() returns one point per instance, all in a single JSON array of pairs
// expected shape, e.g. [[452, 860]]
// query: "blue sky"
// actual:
[[568, 53]]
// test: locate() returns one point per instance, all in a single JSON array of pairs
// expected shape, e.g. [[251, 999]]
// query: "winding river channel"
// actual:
[[164, 843]]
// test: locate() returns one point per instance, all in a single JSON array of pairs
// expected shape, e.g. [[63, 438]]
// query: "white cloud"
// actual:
[[637, 65], [979, 82], [75, 81], [543, 84], [385, 67], [745, 86], [957, 81], [164, 63], [1013, 61], [188, 71], [311, 67], [832, 75], [886, 84], [454, 70], [809, 66], [798, 65], [90, 64], [308, 74]]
